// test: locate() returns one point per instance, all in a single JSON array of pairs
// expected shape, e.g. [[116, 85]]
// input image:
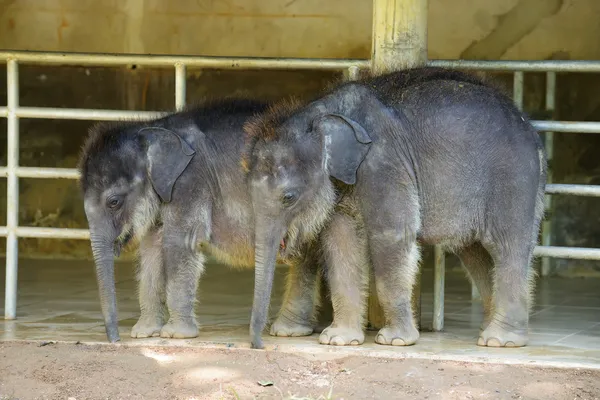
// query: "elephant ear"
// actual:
[[345, 145], [168, 156]]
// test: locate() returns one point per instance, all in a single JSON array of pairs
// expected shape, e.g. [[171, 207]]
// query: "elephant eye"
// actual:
[[113, 202], [289, 198]]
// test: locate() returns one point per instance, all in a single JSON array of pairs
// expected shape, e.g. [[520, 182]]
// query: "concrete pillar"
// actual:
[[399, 41]]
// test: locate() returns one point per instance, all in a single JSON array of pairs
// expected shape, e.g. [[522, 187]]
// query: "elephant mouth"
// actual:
[[282, 245], [122, 242]]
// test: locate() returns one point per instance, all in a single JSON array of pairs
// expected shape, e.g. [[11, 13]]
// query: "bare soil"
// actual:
[[81, 371]]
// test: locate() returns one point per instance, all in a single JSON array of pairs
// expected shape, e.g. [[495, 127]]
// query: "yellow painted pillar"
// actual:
[[399, 41]]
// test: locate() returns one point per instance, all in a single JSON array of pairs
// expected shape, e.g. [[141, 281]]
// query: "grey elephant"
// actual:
[[174, 185], [375, 167]]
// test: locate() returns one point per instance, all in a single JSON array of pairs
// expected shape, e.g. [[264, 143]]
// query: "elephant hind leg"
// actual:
[[479, 266], [512, 284], [152, 286]]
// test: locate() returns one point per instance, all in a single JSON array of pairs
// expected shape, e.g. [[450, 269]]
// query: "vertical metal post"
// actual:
[[12, 201], [180, 86], [549, 144], [351, 74], [399, 42], [438, 288], [518, 84]]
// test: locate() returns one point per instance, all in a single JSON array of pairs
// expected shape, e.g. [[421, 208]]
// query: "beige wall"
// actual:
[[510, 29]]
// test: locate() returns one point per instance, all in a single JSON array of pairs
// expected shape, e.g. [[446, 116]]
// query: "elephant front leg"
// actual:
[[152, 287], [392, 229], [296, 317], [395, 264], [347, 275], [184, 267]]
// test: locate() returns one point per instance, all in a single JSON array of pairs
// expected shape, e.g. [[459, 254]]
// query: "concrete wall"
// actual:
[[471, 29], [516, 29]]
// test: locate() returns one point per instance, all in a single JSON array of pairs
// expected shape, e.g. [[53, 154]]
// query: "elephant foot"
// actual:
[[146, 327], [495, 335], [397, 336], [487, 319], [342, 336], [285, 328], [180, 329]]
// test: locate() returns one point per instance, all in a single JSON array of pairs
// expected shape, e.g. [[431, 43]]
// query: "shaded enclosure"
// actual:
[[56, 143]]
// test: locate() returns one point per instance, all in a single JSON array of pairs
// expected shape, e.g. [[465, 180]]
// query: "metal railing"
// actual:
[[13, 112]]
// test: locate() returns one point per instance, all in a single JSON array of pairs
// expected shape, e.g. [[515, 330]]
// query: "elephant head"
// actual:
[[127, 171], [292, 156]]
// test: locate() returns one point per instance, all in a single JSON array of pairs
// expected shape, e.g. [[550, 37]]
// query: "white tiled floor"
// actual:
[[58, 301]]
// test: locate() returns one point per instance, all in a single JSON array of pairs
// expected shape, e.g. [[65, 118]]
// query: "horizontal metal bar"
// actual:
[[572, 189], [567, 126], [576, 253], [48, 233], [113, 115], [44, 173], [101, 59], [3, 112], [83, 234], [85, 114], [71, 173], [526, 66]]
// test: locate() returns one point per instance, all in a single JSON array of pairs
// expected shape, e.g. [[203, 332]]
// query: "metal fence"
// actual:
[[13, 112]]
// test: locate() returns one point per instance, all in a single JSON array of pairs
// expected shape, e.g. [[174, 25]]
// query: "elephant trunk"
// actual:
[[267, 239], [103, 250]]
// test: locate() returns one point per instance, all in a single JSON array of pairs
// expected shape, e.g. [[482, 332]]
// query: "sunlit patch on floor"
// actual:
[[159, 357], [211, 374]]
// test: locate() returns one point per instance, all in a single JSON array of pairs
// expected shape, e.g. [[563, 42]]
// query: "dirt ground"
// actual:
[[81, 371]]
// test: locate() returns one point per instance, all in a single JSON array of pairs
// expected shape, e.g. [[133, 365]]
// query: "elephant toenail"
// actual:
[[493, 342], [380, 339], [337, 341], [354, 343], [480, 341], [510, 344], [398, 342]]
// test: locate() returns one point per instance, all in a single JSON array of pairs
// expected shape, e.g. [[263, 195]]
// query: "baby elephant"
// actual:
[[174, 184], [377, 165]]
